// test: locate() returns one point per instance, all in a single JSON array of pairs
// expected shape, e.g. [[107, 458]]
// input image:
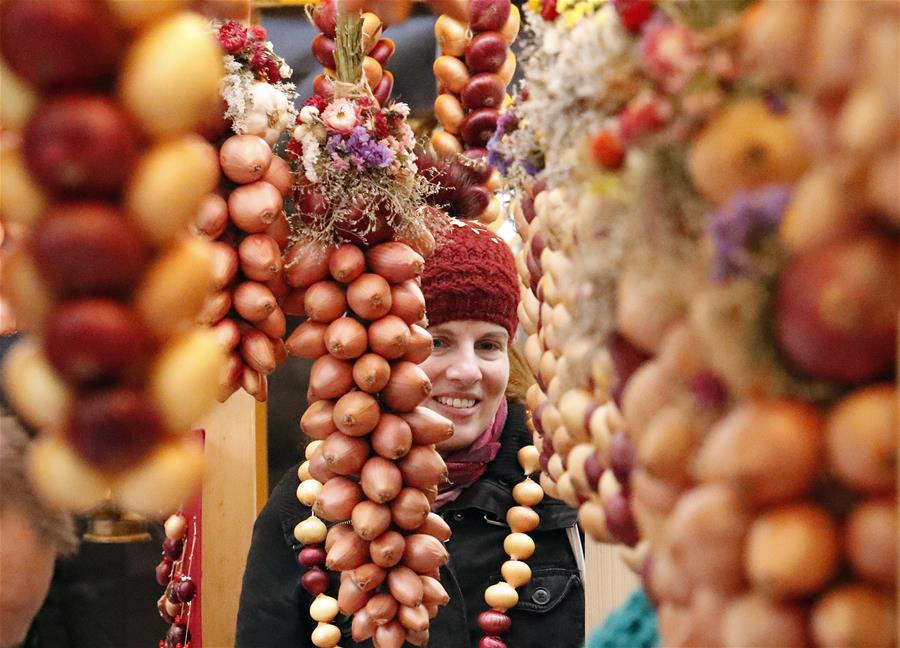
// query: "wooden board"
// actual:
[[608, 582], [234, 491]]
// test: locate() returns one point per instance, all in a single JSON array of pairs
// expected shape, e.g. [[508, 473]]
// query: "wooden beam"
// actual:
[[609, 582]]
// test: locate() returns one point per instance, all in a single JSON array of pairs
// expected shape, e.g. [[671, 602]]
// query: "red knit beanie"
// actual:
[[472, 276]]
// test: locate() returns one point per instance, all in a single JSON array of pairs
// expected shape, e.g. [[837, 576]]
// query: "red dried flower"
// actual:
[[548, 11], [381, 125], [233, 37], [607, 150], [318, 101], [272, 72], [258, 62], [294, 149], [259, 32], [633, 13]]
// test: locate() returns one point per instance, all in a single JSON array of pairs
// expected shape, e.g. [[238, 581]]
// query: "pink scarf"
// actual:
[[466, 466]]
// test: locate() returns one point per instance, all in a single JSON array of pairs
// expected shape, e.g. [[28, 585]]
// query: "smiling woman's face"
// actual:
[[469, 371]]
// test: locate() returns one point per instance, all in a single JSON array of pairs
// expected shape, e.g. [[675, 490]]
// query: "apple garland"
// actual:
[[473, 71], [107, 283], [174, 573], [711, 287]]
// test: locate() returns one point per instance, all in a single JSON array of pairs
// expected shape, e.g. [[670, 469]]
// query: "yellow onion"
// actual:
[[452, 35], [330, 378], [34, 389], [312, 448], [323, 608], [451, 72], [344, 455], [348, 552], [405, 586], [63, 479], [422, 467], [347, 262], [324, 301], [356, 413], [409, 509], [522, 519], [420, 345], [370, 519], [346, 338], [406, 388], [389, 337], [325, 635], [380, 479], [306, 263], [317, 421], [303, 471], [501, 596], [387, 549], [308, 340], [368, 577], [576, 406], [371, 373], [351, 597], [428, 426], [413, 617], [518, 545], [854, 615], [254, 301], [433, 593], [336, 499], [369, 296], [515, 572], [510, 28], [371, 30], [434, 525], [395, 261], [528, 492], [423, 553], [163, 482], [449, 112], [310, 531], [362, 627], [392, 437], [382, 608], [308, 490], [407, 301]]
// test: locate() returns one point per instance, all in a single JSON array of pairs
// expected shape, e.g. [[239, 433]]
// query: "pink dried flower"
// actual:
[[259, 32], [233, 37], [340, 116]]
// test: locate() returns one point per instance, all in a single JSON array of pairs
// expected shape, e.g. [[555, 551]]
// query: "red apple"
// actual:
[[95, 340], [81, 144], [486, 52], [60, 44], [836, 309], [478, 126], [87, 248], [114, 429], [484, 90], [488, 15]]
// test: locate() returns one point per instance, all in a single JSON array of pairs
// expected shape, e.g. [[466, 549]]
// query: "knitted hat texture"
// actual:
[[472, 276]]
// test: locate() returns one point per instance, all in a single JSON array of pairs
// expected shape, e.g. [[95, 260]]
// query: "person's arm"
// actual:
[[273, 608]]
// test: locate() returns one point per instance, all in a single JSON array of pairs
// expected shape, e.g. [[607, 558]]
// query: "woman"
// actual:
[[471, 292]]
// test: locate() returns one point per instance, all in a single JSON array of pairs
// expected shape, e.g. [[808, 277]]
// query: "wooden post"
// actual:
[[609, 582], [234, 490]]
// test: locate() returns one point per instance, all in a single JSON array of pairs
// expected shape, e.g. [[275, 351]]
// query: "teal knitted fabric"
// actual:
[[633, 625]]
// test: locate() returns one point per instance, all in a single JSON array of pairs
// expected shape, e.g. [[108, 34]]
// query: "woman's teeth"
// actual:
[[458, 403]]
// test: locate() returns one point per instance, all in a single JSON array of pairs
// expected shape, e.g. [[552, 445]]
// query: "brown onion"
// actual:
[[382, 608], [395, 261], [420, 345], [387, 549], [253, 301], [330, 378], [347, 263], [348, 552], [227, 333], [380, 479], [416, 638], [392, 437], [324, 301], [407, 387], [428, 426], [369, 295], [409, 509], [407, 301], [245, 158], [422, 467], [257, 351], [351, 597], [260, 257], [293, 302], [424, 553], [345, 455], [253, 207], [252, 381], [275, 326], [318, 469], [405, 586], [212, 217], [371, 373], [316, 421], [414, 617], [306, 263], [362, 627], [335, 533], [224, 265], [369, 576], [433, 593], [308, 340], [337, 498], [346, 338], [389, 337], [356, 413], [434, 525], [370, 519], [390, 635]]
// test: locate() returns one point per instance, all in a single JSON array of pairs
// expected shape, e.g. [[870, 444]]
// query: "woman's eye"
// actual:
[[489, 346], [437, 343]]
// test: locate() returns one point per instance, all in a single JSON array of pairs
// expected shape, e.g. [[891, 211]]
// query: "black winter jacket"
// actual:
[[274, 609]]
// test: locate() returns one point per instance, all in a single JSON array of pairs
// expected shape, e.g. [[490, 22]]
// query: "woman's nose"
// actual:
[[464, 369]]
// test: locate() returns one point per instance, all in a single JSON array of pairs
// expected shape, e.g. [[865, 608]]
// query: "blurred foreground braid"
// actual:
[[16, 492]]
